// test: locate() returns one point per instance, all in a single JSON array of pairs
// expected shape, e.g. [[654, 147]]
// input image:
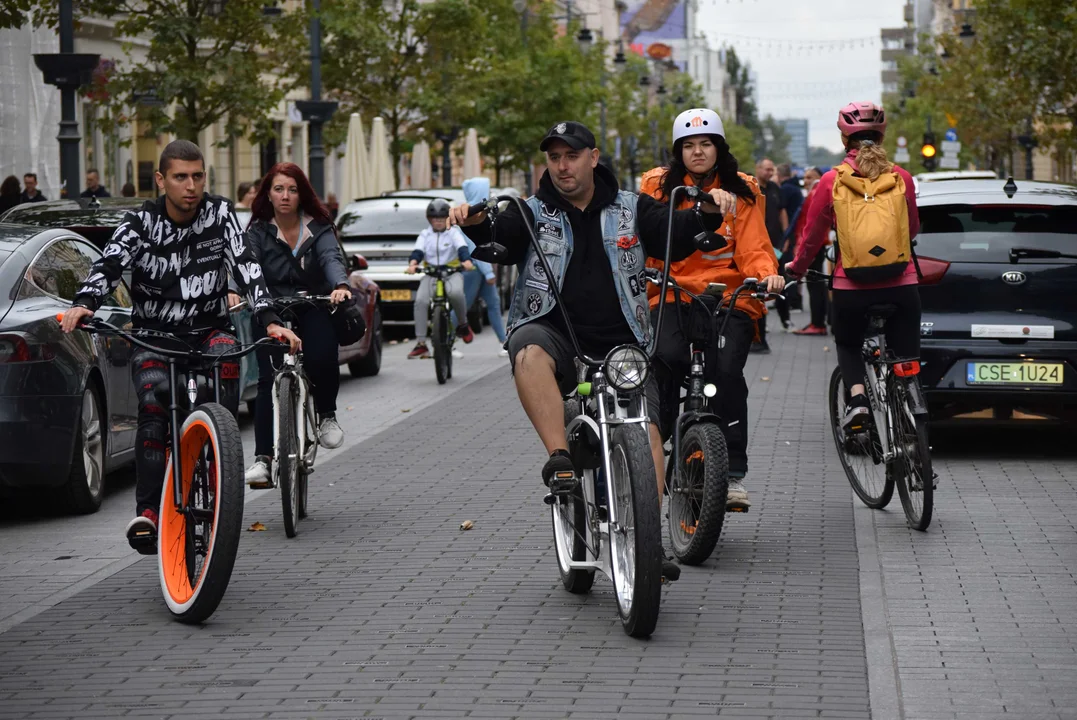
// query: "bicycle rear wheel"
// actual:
[[442, 351], [697, 493], [197, 544], [287, 452], [636, 537], [911, 467], [861, 454]]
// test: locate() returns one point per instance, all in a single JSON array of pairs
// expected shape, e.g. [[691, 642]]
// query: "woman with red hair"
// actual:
[[292, 234]]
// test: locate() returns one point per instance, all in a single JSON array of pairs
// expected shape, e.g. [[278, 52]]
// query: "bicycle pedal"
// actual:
[[143, 542], [736, 508], [261, 484], [564, 482]]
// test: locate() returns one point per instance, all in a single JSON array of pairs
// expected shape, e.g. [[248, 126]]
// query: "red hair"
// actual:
[[312, 207]]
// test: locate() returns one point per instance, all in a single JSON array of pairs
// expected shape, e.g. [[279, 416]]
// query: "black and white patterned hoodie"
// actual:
[[179, 273]]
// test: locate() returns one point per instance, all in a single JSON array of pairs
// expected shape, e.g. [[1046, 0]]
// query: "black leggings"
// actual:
[[148, 370], [319, 338], [851, 322]]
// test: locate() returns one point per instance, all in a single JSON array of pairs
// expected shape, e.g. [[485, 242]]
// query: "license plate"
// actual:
[[1019, 373], [396, 295]]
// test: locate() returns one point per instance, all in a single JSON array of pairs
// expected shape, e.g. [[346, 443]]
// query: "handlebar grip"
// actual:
[[476, 209], [700, 196]]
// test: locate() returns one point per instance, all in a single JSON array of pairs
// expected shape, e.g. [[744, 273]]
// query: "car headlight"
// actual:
[[627, 367]]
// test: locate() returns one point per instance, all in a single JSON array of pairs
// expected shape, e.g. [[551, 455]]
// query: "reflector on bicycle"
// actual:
[[907, 369]]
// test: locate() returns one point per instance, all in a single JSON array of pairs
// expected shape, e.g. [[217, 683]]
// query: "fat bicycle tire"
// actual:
[[569, 520], [861, 457], [442, 352], [697, 494], [287, 451], [911, 467], [636, 542], [195, 559]]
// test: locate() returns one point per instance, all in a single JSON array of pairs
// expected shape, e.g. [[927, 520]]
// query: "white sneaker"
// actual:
[[502, 353], [737, 496], [258, 474], [457, 354], [330, 435]]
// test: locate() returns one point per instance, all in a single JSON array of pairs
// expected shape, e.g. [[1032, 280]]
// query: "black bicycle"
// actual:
[[610, 522], [442, 333], [697, 474], [201, 512]]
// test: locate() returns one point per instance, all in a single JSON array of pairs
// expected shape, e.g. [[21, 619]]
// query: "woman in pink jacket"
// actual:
[[862, 125]]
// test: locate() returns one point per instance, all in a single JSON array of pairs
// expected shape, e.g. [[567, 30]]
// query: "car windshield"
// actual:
[[384, 216]]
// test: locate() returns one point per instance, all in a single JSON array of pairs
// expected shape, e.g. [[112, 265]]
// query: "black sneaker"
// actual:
[[671, 571], [760, 348], [559, 473], [857, 415]]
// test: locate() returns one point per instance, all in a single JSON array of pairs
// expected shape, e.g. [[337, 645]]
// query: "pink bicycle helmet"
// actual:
[[861, 116]]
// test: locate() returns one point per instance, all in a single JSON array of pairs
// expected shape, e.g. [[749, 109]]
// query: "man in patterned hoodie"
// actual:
[[181, 249]]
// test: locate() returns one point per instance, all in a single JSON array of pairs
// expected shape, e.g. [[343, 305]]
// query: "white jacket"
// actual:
[[441, 248]]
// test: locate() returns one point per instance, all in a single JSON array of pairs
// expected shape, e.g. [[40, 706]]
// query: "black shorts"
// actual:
[[559, 347]]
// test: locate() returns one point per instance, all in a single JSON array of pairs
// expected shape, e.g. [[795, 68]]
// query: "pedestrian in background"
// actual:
[[94, 188], [817, 292], [245, 194], [772, 206], [128, 190], [9, 193], [30, 193], [791, 199]]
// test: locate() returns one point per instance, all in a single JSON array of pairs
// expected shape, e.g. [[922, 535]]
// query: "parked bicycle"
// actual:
[[201, 513], [697, 479], [893, 449], [610, 521], [442, 334]]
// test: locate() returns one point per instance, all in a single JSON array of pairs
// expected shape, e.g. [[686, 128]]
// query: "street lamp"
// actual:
[[315, 111], [585, 38], [967, 34]]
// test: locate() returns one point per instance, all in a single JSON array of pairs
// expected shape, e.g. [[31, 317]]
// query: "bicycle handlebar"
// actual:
[[97, 325], [441, 270]]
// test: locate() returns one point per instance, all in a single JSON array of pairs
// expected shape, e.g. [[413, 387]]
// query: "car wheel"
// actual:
[[86, 480], [370, 364]]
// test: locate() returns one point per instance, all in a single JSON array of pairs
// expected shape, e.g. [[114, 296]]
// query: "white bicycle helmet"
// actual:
[[697, 121]]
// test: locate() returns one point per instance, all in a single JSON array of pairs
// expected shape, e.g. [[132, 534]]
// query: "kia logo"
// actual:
[[1013, 277]]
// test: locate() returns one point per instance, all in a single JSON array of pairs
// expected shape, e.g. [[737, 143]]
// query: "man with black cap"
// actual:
[[596, 238]]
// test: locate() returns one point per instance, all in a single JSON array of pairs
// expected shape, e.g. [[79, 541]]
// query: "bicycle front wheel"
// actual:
[[911, 467], [697, 493], [197, 543], [861, 455], [636, 536], [442, 350], [288, 459], [310, 419]]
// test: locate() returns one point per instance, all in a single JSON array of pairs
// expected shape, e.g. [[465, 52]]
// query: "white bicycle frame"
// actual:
[[604, 398], [292, 369]]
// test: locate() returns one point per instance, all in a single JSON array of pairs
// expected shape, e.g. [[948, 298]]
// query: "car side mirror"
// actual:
[[359, 262]]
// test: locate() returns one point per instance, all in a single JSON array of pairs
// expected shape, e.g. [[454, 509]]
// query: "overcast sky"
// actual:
[[794, 80]]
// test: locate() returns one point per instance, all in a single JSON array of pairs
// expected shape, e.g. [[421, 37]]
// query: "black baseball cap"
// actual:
[[575, 134]]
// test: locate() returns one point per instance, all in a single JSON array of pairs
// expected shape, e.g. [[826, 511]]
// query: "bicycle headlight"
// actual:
[[627, 367]]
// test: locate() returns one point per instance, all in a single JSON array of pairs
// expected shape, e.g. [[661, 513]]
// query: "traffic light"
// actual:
[[928, 152]]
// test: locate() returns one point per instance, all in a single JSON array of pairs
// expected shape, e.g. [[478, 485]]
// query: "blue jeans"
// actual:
[[474, 286]]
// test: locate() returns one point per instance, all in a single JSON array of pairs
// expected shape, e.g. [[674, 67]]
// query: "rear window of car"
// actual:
[[383, 217], [986, 233]]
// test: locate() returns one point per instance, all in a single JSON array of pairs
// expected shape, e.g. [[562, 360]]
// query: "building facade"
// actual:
[[798, 140]]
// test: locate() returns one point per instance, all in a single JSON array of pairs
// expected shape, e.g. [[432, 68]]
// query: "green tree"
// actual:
[[198, 68], [821, 157], [777, 148], [741, 146]]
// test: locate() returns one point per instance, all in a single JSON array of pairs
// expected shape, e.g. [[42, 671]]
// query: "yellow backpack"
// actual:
[[872, 221]]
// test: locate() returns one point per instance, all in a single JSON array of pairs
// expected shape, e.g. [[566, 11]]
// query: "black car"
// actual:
[[999, 294], [67, 407]]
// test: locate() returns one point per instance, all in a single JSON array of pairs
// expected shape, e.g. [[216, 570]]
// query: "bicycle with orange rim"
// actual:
[[201, 513]]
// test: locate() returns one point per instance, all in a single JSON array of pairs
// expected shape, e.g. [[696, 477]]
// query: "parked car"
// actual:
[[383, 230], [97, 218], [68, 410], [999, 326]]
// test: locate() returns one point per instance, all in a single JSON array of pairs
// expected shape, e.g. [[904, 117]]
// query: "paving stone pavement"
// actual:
[[383, 608]]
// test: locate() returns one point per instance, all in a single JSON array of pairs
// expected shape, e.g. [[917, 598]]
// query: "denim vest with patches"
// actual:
[[532, 297]]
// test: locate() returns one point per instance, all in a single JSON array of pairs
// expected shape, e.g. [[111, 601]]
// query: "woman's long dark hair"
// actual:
[[725, 167], [312, 207]]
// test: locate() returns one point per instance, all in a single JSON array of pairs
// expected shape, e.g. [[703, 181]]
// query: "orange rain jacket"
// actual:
[[747, 254]]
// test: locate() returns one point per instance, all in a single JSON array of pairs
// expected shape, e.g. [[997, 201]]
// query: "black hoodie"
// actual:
[[589, 290]]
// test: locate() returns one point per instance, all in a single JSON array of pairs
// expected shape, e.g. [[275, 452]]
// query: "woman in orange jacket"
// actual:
[[701, 157]]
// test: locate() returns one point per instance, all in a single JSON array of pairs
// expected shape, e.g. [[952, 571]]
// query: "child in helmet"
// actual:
[[437, 245]]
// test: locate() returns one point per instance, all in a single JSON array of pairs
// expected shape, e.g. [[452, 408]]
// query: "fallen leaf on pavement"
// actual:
[[405, 410], [826, 348], [255, 527], [467, 525], [765, 379]]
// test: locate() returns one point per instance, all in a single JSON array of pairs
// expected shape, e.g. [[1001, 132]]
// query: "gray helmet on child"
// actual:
[[437, 208]]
